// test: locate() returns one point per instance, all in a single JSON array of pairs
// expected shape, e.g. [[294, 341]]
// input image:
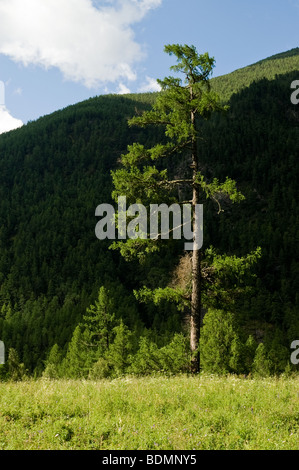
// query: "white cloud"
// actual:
[[123, 89], [150, 85], [91, 42], [7, 122]]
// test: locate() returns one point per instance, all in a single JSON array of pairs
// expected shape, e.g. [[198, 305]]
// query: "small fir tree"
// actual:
[[119, 351]]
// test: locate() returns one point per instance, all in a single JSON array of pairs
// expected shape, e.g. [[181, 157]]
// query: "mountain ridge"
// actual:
[[268, 68], [218, 82]]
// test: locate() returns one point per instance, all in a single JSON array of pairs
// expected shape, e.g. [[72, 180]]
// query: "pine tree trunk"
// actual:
[[195, 312], [195, 317]]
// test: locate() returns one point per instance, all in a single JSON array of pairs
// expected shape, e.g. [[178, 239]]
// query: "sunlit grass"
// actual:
[[156, 413]]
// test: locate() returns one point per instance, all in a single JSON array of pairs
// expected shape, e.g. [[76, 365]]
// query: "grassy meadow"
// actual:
[[152, 413]]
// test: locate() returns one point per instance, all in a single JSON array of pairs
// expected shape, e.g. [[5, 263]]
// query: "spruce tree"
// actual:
[[119, 351], [99, 322], [53, 363], [77, 362]]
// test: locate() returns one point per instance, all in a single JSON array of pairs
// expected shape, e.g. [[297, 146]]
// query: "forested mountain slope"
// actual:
[[269, 68], [56, 170]]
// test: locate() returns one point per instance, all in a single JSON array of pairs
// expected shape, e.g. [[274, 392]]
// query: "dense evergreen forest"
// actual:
[[67, 306]]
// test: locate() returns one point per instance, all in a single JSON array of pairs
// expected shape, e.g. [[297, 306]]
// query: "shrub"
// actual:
[[100, 370]]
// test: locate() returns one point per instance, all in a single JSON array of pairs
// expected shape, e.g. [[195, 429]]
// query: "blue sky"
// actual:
[[54, 53]]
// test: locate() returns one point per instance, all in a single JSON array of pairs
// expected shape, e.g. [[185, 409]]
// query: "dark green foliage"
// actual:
[[263, 150], [53, 174]]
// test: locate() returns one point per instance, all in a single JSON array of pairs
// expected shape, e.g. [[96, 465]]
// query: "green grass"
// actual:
[[156, 413]]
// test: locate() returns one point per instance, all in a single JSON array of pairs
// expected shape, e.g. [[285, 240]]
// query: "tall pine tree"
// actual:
[[180, 108]]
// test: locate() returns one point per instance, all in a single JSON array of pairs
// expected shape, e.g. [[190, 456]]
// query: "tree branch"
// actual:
[[173, 182]]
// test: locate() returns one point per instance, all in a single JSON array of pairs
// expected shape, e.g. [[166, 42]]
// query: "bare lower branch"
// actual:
[[173, 182]]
